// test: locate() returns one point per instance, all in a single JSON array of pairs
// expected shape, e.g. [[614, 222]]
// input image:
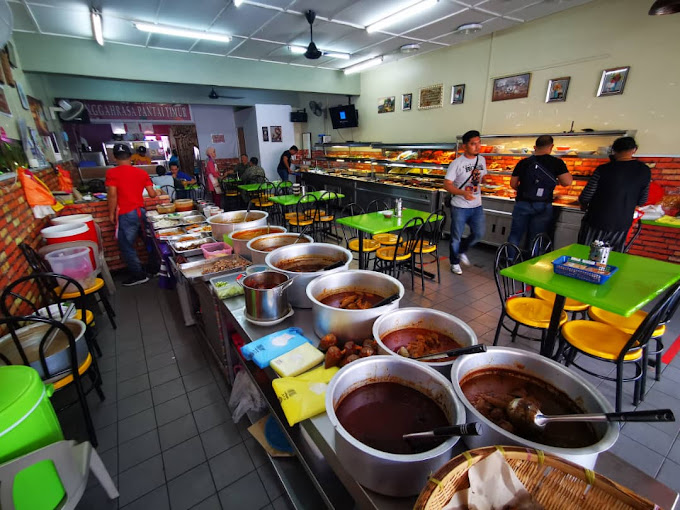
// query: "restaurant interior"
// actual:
[[315, 327]]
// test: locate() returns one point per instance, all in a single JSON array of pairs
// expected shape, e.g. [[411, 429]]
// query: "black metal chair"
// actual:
[[431, 234], [376, 205], [351, 235], [303, 218], [169, 190], [392, 260], [637, 229], [540, 245], [263, 196], [516, 303], [37, 358], [329, 206]]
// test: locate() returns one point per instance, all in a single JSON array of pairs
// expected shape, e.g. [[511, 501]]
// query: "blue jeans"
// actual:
[[529, 218], [474, 217], [129, 225]]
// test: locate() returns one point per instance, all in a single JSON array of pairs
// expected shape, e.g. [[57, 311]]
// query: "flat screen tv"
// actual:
[[344, 116]]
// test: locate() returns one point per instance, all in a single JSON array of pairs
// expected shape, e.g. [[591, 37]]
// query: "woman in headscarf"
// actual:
[[212, 175]]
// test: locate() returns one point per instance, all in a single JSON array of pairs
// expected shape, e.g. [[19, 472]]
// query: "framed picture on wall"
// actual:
[[38, 114], [265, 134], [458, 94], [613, 81], [511, 87], [4, 105], [557, 90], [277, 135], [406, 101], [386, 104], [431, 97]]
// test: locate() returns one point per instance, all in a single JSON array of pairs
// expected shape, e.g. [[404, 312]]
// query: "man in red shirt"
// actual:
[[125, 185]]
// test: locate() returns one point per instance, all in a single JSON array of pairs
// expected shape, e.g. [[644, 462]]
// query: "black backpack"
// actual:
[[538, 182]]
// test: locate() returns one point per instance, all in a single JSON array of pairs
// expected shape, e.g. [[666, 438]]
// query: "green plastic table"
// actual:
[[256, 186], [376, 223], [638, 281], [288, 200]]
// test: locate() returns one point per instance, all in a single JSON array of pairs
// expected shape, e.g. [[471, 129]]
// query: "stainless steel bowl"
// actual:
[[355, 325], [262, 246], [219, 230], [434, 320], [329, 252], [388, 473], [551, 372], [57, 355], [241, 245]]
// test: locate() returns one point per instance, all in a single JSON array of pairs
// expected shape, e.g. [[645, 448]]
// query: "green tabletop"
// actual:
[[256, 186], [288, 200], [657, 223], [376, 223], [637, 282]]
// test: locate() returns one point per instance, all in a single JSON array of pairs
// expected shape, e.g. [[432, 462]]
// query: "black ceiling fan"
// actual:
[[312, 52], [214, 95]]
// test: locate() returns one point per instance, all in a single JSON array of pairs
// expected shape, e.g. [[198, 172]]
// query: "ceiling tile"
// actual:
[[365, 12], [254, 49], [283, 4], [122, 31], [131, 9], [283, 28], [177, 14], [22, 19], [449, 24], [497, 24], [538, 10], [214, 47], [357, 40], [68, 4], [325, 9], [503, 6], [169, 42], [325, 34], [424, 16], [63, 21], [243, 20]]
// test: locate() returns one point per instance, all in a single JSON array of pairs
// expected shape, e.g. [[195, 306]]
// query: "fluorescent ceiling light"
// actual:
[[401, 15], [180, 32], [97, 26], [300, 50], [366, 64], [237, 2], [469, 28]]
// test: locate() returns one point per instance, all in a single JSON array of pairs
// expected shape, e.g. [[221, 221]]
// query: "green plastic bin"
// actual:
[[28, 422]]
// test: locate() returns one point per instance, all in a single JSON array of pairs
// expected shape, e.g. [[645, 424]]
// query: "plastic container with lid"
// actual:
[[184, 204], [214, 250], [73, 262], [70, 231]]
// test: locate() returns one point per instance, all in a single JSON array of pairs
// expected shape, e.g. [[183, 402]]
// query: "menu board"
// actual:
[[431, 97]]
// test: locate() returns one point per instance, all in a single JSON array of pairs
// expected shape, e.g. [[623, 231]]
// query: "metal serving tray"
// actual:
[[193, 219], [161, 233], [228, 278], [179, 246], [193, 270]]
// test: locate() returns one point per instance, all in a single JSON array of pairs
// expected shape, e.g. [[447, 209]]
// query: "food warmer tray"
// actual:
[[193, 219], [192, 271], [177, 245], [161, 233]]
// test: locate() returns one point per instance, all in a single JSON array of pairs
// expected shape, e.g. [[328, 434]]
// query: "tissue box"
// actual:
[[297, 361], [264, 350]]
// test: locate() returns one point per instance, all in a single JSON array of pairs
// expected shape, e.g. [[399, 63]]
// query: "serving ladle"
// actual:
[[466, 429], [524, 412]]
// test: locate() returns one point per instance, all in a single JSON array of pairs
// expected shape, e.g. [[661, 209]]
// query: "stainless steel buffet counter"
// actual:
[[327, 481]]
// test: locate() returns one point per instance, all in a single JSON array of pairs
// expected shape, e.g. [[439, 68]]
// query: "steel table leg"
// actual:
[[548, 346]]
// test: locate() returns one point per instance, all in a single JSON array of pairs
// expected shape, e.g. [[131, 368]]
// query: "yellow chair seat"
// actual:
[[231, 194], [89, 316], [290, 215], [68, 379], [300, 222], [386, 239], [570, 305], [387, 253], [98, 284], [260, 203], [425, 248], [531, 312], [326, 219], [369, 245], [626, 324], [598, 339]]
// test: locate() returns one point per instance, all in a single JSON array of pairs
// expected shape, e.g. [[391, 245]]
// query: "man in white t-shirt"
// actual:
[[463, 180]]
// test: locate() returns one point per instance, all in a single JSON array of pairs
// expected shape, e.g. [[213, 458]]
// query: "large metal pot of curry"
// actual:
[[415, 332], [343, 303], [372, 402], [487, 382]]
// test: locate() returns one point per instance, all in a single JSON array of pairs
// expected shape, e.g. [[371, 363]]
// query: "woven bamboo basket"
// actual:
[[553, 482]]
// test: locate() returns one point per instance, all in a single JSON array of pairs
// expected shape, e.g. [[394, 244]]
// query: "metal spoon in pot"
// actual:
[[466, 429], [524, 412], [472, 349]]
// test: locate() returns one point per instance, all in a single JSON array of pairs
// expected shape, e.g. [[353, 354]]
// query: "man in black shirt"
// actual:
[[285, 161], [535, 178], [611, 195]]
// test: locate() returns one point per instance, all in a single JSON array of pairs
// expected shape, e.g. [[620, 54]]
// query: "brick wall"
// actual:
[[661, 243]]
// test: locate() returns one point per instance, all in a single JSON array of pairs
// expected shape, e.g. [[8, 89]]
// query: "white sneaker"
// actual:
[[464, 259], [455, 269]]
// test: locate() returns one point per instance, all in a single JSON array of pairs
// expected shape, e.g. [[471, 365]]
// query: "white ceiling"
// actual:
[[263, 29]]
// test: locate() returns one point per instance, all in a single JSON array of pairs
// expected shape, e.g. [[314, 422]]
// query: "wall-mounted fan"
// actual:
[[317, 108], [214, 95], [70, 111], [312, 52]]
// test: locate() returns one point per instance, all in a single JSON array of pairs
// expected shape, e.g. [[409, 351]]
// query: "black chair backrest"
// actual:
[[307, 208], [662, 312], [282, 188], [507, 255], [434, 226], [409, 236], [376, 205], [352, 209], [540, 245], [169, 190], [329, 203], [14, 324], [35, 261], [636, 233], [265, 191]]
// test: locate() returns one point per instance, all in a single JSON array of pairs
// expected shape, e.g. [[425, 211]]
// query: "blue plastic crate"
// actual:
[[582, 274]]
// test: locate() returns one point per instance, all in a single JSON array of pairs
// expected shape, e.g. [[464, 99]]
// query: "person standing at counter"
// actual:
[[463, 180], [140, 157], [535, 178], [125, 185], [212, 176], [285, 161], [611, 195]]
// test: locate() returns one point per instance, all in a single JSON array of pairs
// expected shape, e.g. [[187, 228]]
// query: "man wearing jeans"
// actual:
[[463, 181], [535, 178], [125, 185]]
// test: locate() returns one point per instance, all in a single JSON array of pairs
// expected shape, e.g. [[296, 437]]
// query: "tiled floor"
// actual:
[[168, 439]]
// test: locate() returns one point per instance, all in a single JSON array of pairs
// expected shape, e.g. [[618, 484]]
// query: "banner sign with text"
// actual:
[[109, 111]]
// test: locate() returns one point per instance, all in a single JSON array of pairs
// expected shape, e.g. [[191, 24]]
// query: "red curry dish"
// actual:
[[352, 300], [416, 342]]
